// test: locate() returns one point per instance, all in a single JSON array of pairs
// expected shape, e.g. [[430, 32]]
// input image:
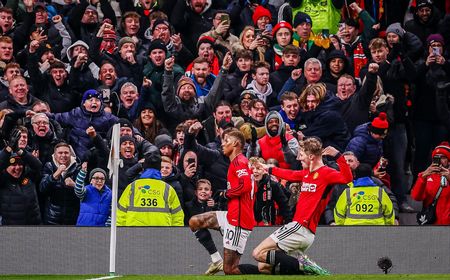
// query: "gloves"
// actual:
[[254, 135], [283, 136], [13, 141], [395, 52]]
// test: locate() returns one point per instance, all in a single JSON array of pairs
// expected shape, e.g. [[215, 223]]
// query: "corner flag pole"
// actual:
[[113, 166]]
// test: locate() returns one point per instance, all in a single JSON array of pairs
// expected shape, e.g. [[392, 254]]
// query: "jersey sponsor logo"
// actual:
[[241, 172], [307, 187]]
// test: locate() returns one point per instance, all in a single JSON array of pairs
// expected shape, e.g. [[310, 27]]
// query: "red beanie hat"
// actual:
[[379, 124], [260, 12], [205, 39], [442, 149], [280, 25]]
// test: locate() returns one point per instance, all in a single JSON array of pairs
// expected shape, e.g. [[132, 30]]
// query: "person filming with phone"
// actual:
[[431, 129], [431, 187], [221, 30]]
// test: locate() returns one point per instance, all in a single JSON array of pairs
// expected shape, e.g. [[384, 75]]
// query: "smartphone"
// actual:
[[436, 51], [325, 33], [383, 165], [268, 27], [437, 160], [191, 160], [225, 18]]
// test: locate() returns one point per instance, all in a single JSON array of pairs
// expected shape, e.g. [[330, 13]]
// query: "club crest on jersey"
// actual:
[[316, 175], [241, 172], [307, 187]]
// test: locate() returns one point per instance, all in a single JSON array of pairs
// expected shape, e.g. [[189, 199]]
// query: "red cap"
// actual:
[[442, 149], [260, 12], [281, 24]]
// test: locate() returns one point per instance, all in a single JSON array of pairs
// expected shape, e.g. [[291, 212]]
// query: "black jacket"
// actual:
[[18, 198], [268, 194], [214, 162], [62, 205]]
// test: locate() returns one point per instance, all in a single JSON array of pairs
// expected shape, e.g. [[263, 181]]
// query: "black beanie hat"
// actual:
[[152, 160], [157, 44]]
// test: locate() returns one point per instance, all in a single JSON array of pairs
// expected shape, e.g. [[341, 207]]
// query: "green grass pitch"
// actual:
[[240, 277]]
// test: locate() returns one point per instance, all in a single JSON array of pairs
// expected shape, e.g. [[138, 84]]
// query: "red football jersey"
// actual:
[[311, 202], [240, 194]]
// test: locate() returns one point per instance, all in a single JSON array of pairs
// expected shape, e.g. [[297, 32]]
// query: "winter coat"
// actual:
[[423, 30], [18, 198], [425, 95], [232, 87], [215, 164], [60, 99], [364, 146], [61, 205], [355, 109], [10, 103], [95, 207], [196, 107], [279, 77], [270, 146], [327, 123], [425, 190], [190, 24], [102, 121], [271, 203]]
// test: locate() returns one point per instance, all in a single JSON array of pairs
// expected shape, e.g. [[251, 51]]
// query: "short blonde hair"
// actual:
[[311, 145]]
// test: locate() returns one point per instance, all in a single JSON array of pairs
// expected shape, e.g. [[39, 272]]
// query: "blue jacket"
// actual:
[[364, 146], [78, 120], [203, 91], [95, 208]]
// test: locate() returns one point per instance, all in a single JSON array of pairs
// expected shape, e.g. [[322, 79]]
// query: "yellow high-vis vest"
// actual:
[[149, 202], [362, 205]]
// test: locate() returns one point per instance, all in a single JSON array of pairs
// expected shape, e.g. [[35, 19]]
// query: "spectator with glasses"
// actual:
[[95, 198], [43, 137]]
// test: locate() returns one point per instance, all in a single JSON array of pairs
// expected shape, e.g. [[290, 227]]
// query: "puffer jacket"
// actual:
[[102, 121], [364, 146], [18, 198], [270, 146], [62, 205]]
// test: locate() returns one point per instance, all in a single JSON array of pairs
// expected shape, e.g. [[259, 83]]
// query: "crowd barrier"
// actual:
[[154, 250]]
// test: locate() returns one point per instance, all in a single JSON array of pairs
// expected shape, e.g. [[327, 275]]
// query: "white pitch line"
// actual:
[[105, 277]]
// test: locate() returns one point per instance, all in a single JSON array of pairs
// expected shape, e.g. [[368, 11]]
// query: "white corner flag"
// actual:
[[113, 166]]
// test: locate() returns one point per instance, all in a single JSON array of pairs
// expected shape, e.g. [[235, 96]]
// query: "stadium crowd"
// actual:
[[369, 78]]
